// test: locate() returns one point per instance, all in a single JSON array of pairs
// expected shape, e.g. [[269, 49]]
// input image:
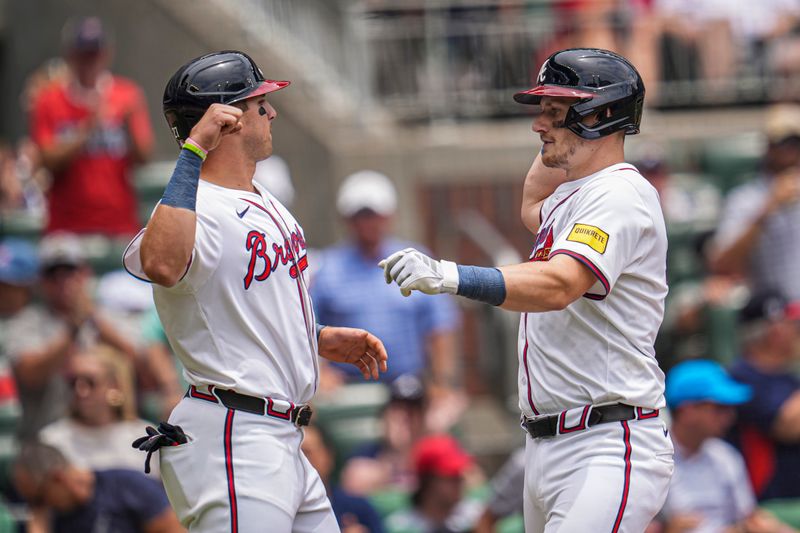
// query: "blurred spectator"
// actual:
[[628, 27], [354, 514], [417, 331], [699, 306], [91, 127], [685, 199], [169, 383], [757, 37], [53, 70], [19, 269], [46, 337], [128, 303], [697, 40], [506, 490], [709, 491], [700, 318], [439, 504], [102, 422], [768, 432], [11, 195], [761, 218], [122, 501], [386, 464]]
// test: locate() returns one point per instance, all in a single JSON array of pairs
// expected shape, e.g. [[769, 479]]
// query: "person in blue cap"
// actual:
[[767, 430], [710, 490], [19, 269]]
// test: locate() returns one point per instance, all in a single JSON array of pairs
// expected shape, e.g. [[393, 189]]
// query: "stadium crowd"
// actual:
[[85, 365]]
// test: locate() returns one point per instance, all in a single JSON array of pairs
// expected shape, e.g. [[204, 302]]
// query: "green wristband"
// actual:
[[195, 150]]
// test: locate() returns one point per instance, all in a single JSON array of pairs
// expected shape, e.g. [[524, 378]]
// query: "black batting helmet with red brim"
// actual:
[[534, 96], [605, 84], [223, 77]]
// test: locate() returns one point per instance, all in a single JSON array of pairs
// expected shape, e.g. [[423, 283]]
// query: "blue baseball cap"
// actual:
[[85, 34], [703, 381], [19, 262]]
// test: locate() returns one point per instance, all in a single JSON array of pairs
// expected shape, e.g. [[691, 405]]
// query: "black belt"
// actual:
[[548, 425], [299, 415]]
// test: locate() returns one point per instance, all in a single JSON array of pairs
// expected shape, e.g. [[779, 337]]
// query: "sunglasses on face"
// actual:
[[59, 271], [88, 381]]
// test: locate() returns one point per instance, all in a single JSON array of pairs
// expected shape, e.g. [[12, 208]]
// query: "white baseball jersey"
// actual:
[[600, 348], [241, 317]]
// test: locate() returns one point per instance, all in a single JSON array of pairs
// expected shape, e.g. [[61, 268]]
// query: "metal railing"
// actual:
[[463, 59]]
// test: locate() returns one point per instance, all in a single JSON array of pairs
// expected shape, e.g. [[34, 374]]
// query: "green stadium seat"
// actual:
[[22, 225], [732, 161], [787, 511], [512, 524], [351, 415], [150, 182], [682, 261], [8, 523], [390, 501]]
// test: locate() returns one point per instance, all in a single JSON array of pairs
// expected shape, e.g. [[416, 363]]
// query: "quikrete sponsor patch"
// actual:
[[592, 236]]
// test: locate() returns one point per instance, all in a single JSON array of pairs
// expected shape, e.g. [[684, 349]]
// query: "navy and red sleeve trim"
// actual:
[[591, 266]]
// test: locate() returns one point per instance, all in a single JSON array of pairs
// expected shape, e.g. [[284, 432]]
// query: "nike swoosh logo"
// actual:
[[243, 212]]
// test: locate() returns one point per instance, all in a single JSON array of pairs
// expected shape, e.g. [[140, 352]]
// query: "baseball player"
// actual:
[[228, 264], [592, 297]]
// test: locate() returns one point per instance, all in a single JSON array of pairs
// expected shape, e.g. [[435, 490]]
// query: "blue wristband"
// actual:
[[318, 328], [181, 190], [481, 283]]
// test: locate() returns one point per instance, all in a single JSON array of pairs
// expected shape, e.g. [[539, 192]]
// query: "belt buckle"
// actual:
[[302, 416]]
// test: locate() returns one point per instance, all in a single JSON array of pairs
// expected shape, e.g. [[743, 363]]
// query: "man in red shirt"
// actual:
[[91, 128]]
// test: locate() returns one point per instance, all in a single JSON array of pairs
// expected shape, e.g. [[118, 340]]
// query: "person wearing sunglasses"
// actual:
[[102, 419]]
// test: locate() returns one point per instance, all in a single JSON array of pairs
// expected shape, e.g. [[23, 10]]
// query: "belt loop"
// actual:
[[302, 415], [581, 425], [642, 415]]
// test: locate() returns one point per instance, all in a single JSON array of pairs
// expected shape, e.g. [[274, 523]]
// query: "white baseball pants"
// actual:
[[242, 473], [608, 478]]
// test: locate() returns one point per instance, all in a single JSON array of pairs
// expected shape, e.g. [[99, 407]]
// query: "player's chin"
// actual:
[[550, 160], [265, 151]]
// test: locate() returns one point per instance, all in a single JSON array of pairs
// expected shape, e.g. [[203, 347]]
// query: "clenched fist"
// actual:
[[219, 120]]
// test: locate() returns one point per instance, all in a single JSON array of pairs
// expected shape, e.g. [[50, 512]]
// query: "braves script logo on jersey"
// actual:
[[266, 259], [544, 242]]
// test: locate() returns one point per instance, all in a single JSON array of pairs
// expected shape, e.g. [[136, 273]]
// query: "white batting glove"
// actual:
[[414, 271]]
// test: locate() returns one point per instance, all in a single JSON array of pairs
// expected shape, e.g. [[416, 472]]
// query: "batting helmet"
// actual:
[[602, 81], [221, 77]]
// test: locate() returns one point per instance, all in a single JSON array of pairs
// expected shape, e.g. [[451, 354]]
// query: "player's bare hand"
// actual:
[[219, 120], [683, 522], [785, 190], [81, 305], [762, 521], [350, 524], [356, 347]]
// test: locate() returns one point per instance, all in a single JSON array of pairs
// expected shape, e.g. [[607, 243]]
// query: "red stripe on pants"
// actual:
[[627, 486], [229, 471]]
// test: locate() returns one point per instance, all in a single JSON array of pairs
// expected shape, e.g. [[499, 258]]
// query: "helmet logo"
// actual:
[[540, 78], [175, 132]]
